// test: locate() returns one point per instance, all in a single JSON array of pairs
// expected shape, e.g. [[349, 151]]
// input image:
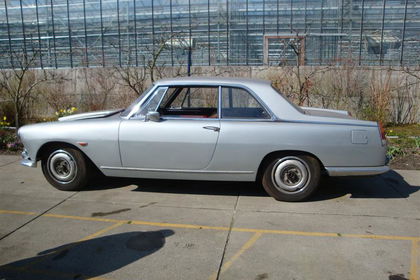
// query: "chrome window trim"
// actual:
[[178, 170], [250, 120], [219, 104], [138, 105], [324, 123], [273, 117], [191, 119], [155, 91]]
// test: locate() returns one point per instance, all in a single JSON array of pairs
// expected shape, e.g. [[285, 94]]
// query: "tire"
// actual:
[[66, 169], [291, 178]]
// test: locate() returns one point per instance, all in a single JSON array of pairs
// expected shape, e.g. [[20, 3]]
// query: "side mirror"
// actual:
[[153, 116]]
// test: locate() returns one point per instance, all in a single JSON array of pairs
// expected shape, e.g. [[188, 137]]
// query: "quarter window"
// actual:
[[238, 103], [152, 103]]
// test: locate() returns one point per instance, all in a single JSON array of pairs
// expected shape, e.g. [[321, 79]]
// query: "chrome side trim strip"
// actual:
[[326, 123], [357, 171], [178, 170]]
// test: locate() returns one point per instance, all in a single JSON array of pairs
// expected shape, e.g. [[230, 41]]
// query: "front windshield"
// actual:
[[130, 108], [289, 101]]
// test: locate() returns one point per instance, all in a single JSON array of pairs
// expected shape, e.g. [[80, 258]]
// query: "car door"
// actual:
[[243, 140], [180, 140]]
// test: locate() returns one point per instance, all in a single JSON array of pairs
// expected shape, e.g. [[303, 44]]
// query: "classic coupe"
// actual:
[[208, 129]]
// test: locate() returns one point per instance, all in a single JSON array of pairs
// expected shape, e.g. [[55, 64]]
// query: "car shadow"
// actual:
[[180, 186], [388, 185], [91, 258]]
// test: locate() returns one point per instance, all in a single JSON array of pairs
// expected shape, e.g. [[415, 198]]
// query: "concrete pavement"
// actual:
[[353, 228]]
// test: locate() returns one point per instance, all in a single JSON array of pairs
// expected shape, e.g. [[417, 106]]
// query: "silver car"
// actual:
[[209, 129]]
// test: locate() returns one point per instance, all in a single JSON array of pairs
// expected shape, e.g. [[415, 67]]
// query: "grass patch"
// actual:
[[406, 145]]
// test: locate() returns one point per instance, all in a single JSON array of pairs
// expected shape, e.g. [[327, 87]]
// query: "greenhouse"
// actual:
[[101, 33]]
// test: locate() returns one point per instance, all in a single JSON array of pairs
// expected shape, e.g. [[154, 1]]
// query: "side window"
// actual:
[[238, 103], [193, 97], [190, 102], [152, 103]]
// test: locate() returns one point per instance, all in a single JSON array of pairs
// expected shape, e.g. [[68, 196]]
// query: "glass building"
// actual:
[[92, 33]]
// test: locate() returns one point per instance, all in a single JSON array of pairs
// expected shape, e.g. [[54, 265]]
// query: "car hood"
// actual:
[[90, 115], [320, 112]]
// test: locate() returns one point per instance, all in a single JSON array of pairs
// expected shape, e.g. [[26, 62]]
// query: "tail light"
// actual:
[[381, 131]]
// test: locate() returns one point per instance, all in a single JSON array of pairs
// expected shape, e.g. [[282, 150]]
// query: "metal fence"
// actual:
[[90, 33]]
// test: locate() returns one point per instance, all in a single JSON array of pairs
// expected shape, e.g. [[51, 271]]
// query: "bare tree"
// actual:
[[137, 78], [134, 78], [99, 86], [19, 83]]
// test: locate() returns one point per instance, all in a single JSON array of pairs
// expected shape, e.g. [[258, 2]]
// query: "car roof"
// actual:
[[212, 81]]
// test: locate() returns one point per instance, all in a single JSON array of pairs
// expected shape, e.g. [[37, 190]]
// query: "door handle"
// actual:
[[214, 128]]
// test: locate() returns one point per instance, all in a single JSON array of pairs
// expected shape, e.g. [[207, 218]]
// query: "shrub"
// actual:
[[65, 112]]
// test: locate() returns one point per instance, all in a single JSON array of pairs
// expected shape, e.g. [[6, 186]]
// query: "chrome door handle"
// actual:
[[214, 128]]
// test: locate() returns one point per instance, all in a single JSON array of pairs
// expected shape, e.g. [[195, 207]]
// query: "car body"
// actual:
[[212, 129]]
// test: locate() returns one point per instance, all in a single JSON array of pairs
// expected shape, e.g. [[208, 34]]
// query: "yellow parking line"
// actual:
[[192, 226], [245, 247], [102, 231], [414, 259], [16, 212], [83, 218], [187, 226], [283, 232], [326, 234]]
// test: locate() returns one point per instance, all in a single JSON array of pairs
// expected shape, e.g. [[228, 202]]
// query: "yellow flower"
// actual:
[[4, 118], [73, 109]]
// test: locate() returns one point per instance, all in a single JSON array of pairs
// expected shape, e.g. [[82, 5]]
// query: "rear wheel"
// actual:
[[291, 178], [66, 169]]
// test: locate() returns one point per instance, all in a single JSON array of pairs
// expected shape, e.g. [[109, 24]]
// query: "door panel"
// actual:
[[168, 144]]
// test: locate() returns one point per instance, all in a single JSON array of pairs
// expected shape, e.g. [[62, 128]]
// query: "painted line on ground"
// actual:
[[252, 230], [415, 254], [244, 248], [17, 212]]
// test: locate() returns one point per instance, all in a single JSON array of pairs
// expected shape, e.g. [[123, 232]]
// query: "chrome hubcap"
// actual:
[[62, 166], [290, 174]]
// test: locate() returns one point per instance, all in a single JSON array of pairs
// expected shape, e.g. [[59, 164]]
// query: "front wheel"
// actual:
[[66, 169], [291, 178]]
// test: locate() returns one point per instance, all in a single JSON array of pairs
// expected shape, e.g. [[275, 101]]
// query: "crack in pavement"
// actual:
[[37, 216], [9, 163], [232, 220]]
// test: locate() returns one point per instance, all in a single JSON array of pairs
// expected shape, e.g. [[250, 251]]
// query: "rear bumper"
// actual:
[[357, 171], [26, 160]]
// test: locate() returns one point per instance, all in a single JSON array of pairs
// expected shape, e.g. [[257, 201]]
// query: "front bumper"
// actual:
[[26, 160]]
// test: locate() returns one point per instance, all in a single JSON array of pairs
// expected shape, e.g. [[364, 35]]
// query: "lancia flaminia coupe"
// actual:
[[208, 129]]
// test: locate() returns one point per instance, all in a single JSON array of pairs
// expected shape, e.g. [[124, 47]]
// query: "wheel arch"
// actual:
[[281, 153], [43, 150]]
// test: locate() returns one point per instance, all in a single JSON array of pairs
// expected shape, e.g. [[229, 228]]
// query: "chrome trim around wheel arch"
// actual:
[[177, 170], [357, 171]]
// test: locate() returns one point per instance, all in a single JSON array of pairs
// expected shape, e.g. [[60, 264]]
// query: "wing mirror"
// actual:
[[153, 116]]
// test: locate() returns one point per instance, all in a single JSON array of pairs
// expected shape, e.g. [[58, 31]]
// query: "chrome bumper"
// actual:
[[26, 160], [357, 171]]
